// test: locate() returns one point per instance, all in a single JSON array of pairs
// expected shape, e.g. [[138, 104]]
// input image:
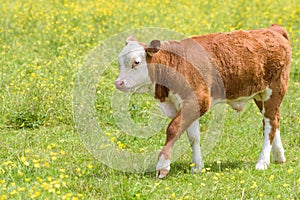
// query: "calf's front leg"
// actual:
[[193, 131], [188, 114], [174, 131]]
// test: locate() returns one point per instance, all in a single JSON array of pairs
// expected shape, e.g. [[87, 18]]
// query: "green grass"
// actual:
[[42, 46]]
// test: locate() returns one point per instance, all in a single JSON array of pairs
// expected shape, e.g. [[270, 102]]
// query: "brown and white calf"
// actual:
[[191, 75]]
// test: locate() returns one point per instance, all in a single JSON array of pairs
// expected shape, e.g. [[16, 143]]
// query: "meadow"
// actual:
[[43, 45]]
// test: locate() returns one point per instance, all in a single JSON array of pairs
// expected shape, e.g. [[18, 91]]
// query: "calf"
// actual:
[[191, 75]]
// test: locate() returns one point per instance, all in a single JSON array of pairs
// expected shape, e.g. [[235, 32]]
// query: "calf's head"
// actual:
[[133, 75]]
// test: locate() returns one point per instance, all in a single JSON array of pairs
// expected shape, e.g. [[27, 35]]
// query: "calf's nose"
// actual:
[[119, 84]]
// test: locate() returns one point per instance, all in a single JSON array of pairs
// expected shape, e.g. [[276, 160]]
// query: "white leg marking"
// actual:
[[194, 137], [162, 167], [264, 158], [277, 149]]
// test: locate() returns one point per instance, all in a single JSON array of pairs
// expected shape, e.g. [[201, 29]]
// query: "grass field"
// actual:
[[42, 46]]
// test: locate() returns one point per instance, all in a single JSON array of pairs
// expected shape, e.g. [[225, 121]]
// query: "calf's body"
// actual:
[[193, 74]]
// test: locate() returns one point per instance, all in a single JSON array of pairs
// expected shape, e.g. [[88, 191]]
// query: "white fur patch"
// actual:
[[264, 96], [133, 68], [277, 149], [172, 105], [194, 138], [264, 158], [239, 103], [268, 126], [163, 164], [168, 109], [268, 94]]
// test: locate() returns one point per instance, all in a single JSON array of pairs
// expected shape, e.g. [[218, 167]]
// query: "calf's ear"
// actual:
[[130, 38], [153, 47]]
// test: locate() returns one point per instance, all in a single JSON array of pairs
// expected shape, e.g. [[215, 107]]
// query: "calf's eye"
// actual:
[[136, 63]]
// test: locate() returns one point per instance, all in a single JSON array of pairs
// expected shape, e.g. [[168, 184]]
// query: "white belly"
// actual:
[[239, 103]]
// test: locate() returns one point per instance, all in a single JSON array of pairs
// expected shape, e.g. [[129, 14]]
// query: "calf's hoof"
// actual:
[[162, 173], [162, 167], [197, 168], [278, 157], [261, 165]]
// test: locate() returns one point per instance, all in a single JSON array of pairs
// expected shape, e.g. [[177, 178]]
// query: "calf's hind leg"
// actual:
[[272, 140], [194, 137]]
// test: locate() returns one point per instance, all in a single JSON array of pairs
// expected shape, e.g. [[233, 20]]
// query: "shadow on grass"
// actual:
[[177, 169], [226, 165]]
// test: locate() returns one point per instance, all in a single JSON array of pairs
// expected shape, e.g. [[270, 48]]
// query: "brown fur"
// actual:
[[243, 62], [161, 92], [248, 61]]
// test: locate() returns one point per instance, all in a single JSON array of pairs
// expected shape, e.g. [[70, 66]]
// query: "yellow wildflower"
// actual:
[[112, 139]]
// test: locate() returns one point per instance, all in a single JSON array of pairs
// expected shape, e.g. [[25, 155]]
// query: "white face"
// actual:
[[133, 75]]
